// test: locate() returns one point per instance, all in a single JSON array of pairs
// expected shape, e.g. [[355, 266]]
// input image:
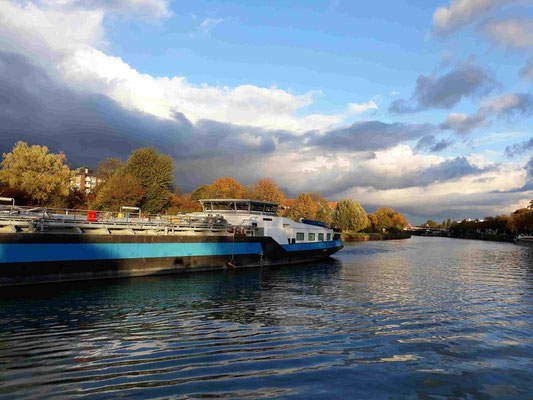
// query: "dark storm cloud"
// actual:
[[370, 136], [430, 143], [365, 177], [519, 148], [89, 128], [466, 80]]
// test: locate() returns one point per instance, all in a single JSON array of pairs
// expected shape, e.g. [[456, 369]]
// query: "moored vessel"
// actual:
[[44, 245], [524, 239]]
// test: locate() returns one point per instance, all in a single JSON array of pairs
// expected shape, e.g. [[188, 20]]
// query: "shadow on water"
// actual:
[[420, 318]]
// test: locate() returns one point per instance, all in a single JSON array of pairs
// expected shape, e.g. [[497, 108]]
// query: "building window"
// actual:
[[328, 236], [300, 236], [320, 237], [311, 237]]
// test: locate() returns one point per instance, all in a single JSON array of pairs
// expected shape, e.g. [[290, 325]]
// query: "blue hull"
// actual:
[[31, 258]]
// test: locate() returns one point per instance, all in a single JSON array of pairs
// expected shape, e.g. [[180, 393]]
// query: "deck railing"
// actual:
[[42, 217]]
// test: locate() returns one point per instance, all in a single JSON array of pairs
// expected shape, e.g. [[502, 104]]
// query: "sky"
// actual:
[[421, 105]]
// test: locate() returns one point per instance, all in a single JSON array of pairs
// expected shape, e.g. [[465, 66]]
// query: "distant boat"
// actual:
[[43, 245], [524, 239]]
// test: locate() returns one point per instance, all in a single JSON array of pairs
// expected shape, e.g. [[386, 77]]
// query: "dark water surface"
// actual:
[[427, 318]]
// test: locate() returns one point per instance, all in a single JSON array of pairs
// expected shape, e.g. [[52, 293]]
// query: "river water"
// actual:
[[428, 318]]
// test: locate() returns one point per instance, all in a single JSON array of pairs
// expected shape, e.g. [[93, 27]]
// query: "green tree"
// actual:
[[432, 224], [201, 192], [350, 216], [119, 190], [44, 176], [154, 171], [303, 207], [109, 167]]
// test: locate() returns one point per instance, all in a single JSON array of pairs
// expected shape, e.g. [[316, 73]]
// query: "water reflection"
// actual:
[[417, 318]]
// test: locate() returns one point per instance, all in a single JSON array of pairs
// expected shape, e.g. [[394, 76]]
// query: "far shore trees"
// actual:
[[43, 176], [349, 216]]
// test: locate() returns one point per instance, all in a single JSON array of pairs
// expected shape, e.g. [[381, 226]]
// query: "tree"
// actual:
[[372, 223], [119, 190], [109, 167], [523, 220], [227, 188], [398, 222], [324, 210], [350, 216], [182, 204], [384, 217], [303, 207], [42, 175], [154, 171], [266, 190], [201, 192], [432, 224]]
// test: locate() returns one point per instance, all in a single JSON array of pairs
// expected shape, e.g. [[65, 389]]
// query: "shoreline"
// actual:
[[365, 237]]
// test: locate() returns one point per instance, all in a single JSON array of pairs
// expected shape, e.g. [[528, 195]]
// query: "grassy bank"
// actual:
[[362, 236]]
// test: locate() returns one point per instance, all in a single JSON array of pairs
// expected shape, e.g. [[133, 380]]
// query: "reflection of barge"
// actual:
[[41, 245]]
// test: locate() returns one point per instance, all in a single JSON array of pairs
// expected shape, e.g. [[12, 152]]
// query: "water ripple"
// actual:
[[424, 318]]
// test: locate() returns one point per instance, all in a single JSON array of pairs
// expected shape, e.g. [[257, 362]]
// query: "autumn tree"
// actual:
[[266, 190], [384, 217], [303, 207], [44, 176], [390, 220], [372, 223], [523, 220], [349, 216], [201, 192], [182, 204], [227, 188], [119, 190], [324, 211], [154, 171]]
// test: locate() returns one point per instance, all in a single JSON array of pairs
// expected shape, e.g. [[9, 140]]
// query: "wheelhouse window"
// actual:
[[320, 237], [328, 236], [300, 236], [311, 237]]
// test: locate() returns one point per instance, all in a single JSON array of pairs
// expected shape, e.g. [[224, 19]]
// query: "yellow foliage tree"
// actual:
[[303, 207], [42, 175], [266, 190], [227, 188]]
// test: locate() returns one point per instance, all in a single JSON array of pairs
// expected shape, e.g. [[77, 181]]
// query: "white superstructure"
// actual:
[[262, 216]]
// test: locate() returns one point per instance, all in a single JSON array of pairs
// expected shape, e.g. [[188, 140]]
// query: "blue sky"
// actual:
[[408, 103]]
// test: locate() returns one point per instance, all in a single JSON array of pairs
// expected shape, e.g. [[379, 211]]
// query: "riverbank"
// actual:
[[472, 236], [363, 237]]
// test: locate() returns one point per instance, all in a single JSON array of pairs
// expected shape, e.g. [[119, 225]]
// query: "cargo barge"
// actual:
[[42, 245]]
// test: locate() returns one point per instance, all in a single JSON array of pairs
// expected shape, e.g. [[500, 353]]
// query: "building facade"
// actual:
[[85, 179]]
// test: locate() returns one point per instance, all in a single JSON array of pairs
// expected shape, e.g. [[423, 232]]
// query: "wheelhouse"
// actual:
[[239, 206]]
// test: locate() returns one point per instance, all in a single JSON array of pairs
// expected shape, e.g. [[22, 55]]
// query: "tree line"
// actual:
[[35, 176], [519, 221]]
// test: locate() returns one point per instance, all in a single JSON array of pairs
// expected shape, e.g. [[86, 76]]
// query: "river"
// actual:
[[420, 318]]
